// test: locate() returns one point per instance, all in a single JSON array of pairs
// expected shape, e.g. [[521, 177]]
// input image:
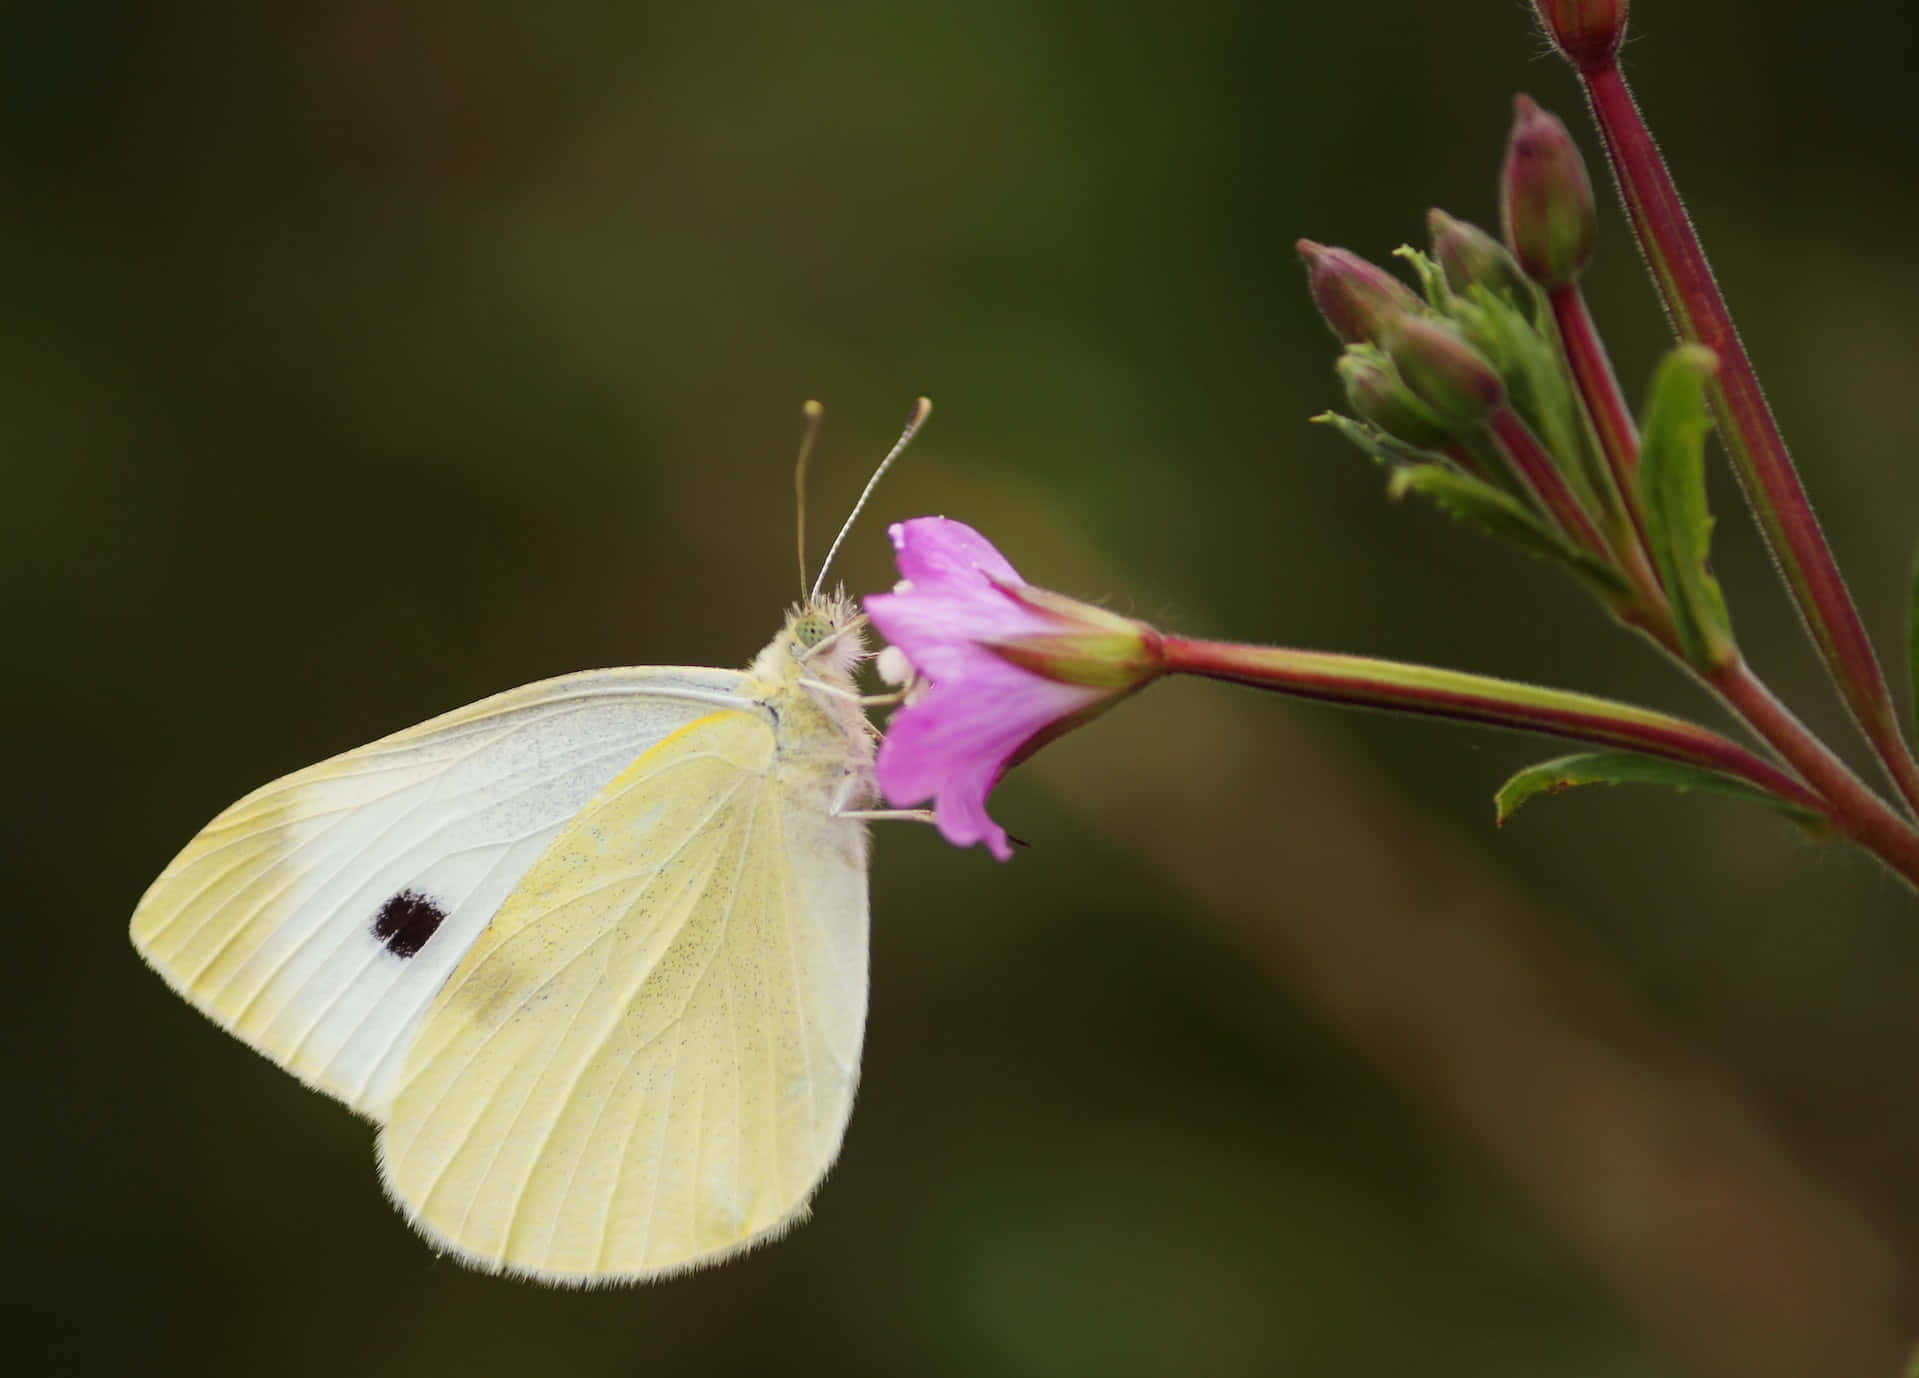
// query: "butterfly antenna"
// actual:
[[812, 411], [921, 410]]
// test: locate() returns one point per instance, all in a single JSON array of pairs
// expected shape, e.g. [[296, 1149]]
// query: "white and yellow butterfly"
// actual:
[[592, 953]]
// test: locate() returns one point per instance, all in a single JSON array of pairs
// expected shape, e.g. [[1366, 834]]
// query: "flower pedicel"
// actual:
[[999, 667]]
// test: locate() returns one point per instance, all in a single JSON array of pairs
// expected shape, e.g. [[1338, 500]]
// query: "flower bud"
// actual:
[[1359, 300], [1377, 395], [1545, 198], [1586, 31], [1470, 255], [1445, 372]]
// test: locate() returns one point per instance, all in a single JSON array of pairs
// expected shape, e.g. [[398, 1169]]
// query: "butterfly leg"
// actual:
[[888, 815], [863, 700]]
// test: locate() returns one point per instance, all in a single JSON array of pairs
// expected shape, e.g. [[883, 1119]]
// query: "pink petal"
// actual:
[[933, 550], [952, 743]]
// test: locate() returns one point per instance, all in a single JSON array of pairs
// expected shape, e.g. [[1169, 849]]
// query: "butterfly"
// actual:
[[591, 953]]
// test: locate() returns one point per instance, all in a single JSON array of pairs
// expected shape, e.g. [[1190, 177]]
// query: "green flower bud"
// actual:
[[1445, 372], [1586, 31], [1545, 198], [1376, 395], [1470, 255], [1358, 300]]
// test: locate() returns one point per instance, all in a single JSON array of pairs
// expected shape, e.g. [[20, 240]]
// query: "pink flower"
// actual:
[[1000, 668]]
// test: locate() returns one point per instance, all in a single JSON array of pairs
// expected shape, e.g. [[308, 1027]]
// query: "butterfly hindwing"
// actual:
[[317, 917], [647, 1059]]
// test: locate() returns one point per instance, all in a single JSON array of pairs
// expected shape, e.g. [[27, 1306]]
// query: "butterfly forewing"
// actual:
[[318, 917], [647, 1059]]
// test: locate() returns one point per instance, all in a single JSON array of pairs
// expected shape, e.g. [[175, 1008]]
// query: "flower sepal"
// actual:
[[1093, 646], [1099, 660], [1070, 611], [1586, 31]]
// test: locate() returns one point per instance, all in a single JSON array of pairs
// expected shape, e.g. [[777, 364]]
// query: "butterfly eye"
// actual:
[[809, 629]]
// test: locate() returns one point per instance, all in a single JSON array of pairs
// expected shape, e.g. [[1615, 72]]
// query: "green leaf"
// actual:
[[1384, 449], [1631, 768], [1432, 278], [1672, 487], [1501, 515], [1473, 500], [1479, 503]]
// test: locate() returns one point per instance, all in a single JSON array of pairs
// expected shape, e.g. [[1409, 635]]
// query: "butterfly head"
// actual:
[[824, 637]]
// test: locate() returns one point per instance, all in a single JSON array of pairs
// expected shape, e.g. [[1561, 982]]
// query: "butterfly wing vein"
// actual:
[[265, 920], [647, 1059]]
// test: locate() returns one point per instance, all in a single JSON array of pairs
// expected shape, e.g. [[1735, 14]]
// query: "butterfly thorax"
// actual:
[[805, 678]]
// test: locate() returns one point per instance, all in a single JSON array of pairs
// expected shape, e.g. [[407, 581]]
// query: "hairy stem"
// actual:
[[1834, 793], [1750, 434], [1370, 683], [1853, 809]]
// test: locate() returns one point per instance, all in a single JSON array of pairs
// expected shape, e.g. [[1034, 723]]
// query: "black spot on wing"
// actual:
[[406, 921]]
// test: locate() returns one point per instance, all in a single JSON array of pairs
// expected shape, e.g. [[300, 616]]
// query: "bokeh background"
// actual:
[[363, 359]]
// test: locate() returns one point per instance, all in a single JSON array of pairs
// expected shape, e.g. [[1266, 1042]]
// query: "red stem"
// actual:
[[1599, 389], [1751, 436], [1535, 468], [1361, 681], [1598, 385], [1854, 809], [1370, 683]]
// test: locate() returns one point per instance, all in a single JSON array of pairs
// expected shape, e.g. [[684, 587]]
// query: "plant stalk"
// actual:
[[1599, 386], [1366, 682], [1362, 681], [1535, 468], [1746, 424], [1853, 808]]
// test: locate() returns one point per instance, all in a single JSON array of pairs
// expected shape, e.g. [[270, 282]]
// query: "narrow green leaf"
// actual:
[[1485, 506], [1470, 499], [1384, 449], [1672, 486], [1432, 278], [1502, 515], [1631, 768]]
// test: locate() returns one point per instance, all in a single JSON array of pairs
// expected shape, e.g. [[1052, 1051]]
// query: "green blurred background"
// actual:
[[363, 360]]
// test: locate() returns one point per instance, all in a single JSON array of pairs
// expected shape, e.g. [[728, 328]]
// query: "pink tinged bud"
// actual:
[[1586, 31], [1377, 396], [1545, 198], [1446, 373], [1469, 255], [1001, 668], [1359, 300]]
